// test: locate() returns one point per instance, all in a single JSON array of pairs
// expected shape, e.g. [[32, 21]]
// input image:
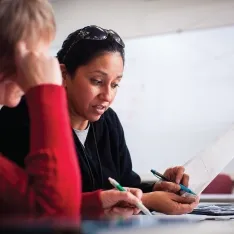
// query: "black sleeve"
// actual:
[[129, 178], [14, 132]]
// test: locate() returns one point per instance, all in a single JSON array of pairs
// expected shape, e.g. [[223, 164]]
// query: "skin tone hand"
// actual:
[[117, 203], [169, 203], [35, 68], [166, 198], [175, 174]]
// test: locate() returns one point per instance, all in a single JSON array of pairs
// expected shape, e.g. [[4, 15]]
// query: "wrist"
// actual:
[[32, 85], [146, 199], [156, 186], [102, 198]]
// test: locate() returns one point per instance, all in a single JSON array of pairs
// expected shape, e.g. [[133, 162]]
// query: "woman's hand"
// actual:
[[175, 174], [35, 68], [169, 203], [117, 203]]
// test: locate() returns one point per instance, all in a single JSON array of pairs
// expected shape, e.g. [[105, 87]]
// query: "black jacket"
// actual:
[[105, 153]]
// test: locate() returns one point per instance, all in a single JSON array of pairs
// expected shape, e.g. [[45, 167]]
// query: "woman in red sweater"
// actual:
[[50, 183]]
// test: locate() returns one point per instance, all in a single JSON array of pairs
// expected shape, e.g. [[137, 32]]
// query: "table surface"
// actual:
[[202, 227], [174, 226], [205, 226], [217, 198]]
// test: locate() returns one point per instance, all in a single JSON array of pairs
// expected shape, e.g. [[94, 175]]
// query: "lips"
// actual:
[[99, 109]]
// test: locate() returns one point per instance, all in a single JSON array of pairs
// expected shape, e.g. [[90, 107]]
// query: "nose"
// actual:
[[107, 94]]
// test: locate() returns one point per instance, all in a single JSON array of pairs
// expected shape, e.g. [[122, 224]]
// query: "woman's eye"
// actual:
[[115, 86], [96, 82]]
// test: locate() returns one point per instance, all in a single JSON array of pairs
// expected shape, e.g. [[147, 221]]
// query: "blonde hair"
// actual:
[[24, 20]]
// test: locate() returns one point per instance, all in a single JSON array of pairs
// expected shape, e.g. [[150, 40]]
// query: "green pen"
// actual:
[[120, 188]]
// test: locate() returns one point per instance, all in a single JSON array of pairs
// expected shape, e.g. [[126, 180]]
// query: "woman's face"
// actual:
[[93, 87]]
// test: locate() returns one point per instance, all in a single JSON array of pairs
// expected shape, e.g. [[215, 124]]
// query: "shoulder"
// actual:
[[111, 118], [108, 124], [109, 114]]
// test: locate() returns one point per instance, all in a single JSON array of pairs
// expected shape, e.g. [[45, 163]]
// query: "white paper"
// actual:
[[203, 168]]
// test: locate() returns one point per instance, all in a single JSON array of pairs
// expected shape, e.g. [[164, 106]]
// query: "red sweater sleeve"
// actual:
[[91, 205], [50, 185]]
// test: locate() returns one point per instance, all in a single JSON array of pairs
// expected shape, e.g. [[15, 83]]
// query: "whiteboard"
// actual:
[[176, 96]]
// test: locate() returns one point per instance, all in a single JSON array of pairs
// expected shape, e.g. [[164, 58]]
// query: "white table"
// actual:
[[217, 198], [200, 227], [203, 227]]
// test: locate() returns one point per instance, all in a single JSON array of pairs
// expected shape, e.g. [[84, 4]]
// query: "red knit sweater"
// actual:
[[50, 185]]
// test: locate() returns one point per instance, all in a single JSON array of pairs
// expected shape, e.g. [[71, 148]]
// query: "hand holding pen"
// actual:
[[137, 202], [172, 186]]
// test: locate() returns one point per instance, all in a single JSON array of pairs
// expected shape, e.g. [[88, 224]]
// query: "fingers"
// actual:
[[136, 211], [179, 171], [185, 180], [197, 199], [184, 200], [169, 186], [127, 197], [177, 174], [122, 203], [186, 208], [174, 174], [182, 209], [182, 205], [123, 212], [113, 197], [134, 196], [136, 192]]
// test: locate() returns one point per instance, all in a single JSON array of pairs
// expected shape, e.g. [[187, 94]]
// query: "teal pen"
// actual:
[[120, 188], [162, 177]]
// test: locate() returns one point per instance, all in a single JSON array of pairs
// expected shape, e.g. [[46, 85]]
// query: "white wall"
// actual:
[[177, 89], [177, 95], [137, 18]]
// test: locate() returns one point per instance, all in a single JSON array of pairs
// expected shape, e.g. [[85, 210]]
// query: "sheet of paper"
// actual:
[[204, 167]]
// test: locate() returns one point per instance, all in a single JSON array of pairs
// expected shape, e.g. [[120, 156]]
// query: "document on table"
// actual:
[[204, 167], [214, 210], [195, 217]]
